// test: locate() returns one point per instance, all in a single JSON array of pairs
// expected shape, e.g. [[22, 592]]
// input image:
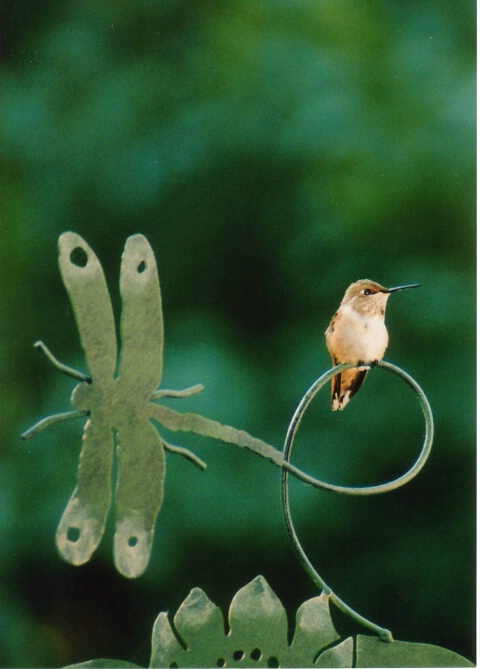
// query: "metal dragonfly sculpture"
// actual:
[[118, 399], [118, 406]]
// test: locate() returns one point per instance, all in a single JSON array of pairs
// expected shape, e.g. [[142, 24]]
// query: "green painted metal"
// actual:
[[118, 397], [256, 635]]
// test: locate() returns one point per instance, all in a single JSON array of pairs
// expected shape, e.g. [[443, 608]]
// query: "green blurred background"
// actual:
[[272, 152]]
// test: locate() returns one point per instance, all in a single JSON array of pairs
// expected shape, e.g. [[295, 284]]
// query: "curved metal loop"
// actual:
[[383, 487], [384, 634]]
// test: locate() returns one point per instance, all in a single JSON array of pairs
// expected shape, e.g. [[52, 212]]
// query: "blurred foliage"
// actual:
[[272, 152]]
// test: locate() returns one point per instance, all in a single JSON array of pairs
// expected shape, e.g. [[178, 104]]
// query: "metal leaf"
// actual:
[[257, 637], [102, 663], [257, 632], [314, 625], [371, 652], [339, 656]]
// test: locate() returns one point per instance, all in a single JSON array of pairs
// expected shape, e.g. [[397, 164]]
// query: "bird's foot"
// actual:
[[371, 363]]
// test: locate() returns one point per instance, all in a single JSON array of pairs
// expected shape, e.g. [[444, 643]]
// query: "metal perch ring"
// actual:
[[384, 487], [350, 490]]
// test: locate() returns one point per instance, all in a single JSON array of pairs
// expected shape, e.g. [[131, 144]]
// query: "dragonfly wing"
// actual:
[[83, 522], [139, 494], [85, 282], [141, 357]]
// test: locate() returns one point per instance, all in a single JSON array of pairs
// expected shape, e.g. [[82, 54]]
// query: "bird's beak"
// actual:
[[394, 290]]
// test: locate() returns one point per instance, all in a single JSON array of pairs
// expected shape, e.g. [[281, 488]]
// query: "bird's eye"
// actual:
[[367, 291]]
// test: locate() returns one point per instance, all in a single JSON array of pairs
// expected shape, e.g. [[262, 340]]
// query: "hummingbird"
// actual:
[[357, 334]]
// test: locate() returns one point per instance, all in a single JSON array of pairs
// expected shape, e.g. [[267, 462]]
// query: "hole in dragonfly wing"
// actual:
[[141, 267], [221, 662], [73, 534], [238, 655], [273, 661], [256, 654], [79, 257], [132, 541]]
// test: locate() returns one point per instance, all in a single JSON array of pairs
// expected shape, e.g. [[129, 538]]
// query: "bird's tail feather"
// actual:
[[345, 385]]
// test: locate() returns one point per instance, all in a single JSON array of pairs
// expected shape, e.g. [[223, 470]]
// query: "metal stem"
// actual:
[[384, 634]]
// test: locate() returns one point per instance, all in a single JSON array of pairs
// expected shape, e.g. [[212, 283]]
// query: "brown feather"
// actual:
[[345, 385]]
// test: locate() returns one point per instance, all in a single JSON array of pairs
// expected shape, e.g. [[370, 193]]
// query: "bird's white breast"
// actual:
[[360, 336]]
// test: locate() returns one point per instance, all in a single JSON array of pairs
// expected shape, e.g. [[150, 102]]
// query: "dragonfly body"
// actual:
[[116, 397]]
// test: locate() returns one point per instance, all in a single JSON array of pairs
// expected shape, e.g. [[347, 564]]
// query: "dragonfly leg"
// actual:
[[186, 392], [184, 452], [69, 371], [51, 420]]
